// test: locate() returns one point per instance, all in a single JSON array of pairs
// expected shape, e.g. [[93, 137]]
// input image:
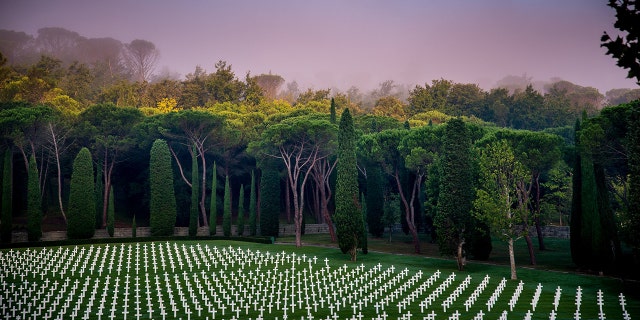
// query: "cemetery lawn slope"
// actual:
[[231, 279]]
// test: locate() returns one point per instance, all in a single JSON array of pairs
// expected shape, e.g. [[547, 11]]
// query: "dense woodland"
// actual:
[[458, 162]]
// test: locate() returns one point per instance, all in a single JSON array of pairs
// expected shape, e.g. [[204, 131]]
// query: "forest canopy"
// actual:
[[61, 93]]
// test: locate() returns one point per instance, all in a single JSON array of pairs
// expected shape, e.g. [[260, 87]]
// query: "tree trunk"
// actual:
[[258, 202], [512, 260], [532, 254], [409, 211], [43, 172], [175, 156], [297, 208], [317, 203], [324, 204], [536, 217], [287, 200], [321, 172], [107, 170], [460, 258], [353, 252], [203, 190], [56, 153], [298, 203]]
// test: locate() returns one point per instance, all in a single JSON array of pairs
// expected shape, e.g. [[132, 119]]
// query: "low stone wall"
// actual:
[[290, 229], [21, 236], [552, 232]]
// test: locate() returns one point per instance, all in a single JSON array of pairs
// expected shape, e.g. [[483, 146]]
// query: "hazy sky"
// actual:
[[341, 43]]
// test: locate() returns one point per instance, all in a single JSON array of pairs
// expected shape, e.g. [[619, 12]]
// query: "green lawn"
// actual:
[[250, 290]]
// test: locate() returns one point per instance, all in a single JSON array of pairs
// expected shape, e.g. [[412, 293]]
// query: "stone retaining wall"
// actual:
[[290, 229], [552, 232]]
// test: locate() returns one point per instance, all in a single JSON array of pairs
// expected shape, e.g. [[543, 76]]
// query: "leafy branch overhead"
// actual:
[[625, 49]]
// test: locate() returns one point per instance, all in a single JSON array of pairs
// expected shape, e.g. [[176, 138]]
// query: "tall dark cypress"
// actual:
[[34, 204], [375, 200], [609, 245], [213, 210], [134, 227], [577, 254], [226, 214], [453, 221], [241, 212], [252, 205], [195, 192], [162, 202], [7, 196], [269, 199], [364, 241], [590, 236], [348, 216], [111, 213], [99, 194], [82, 204]]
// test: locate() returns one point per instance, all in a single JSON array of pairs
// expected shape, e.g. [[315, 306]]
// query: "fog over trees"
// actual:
[[100, 64]]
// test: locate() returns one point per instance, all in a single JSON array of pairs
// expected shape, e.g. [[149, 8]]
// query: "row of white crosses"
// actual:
[[167, 280], [476, 293]]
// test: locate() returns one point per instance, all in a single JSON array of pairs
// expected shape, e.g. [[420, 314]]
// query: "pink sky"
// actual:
[[341, 43]]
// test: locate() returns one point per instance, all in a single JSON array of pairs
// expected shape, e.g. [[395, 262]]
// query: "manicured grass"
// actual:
[[556, 257], [261, 280]]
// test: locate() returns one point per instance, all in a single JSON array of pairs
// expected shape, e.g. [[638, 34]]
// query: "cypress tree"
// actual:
[[599, 244], [34, 203], [99, 194], [577, 254], [82, 204], [609, 245], [195, 191], [213, 210], [375, 201], [241, 212], [162, 202], [134, 227], [111, 214], [7, 196], [226, 215], [391, 214], [453, 219], [364, 244], [348, 216], [590, 233], [252, 205], [432, 192], [269, 199]]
